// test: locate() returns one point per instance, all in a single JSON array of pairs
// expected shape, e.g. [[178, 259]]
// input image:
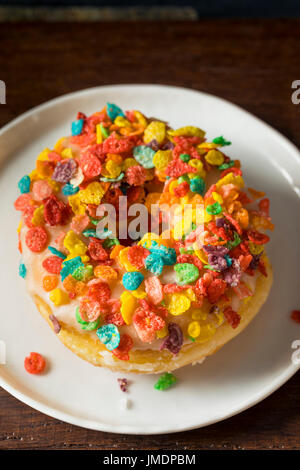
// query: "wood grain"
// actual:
[[249, 62]]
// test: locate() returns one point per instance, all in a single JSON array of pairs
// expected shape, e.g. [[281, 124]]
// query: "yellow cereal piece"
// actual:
[[206, 333], [172, 186], [199, 314], [217, 197], [155, 130], [194, 329], [140, 118], [190, 294], [76, 204], [93, 194], [122, 122], [112, 169], [230, 178], [19, 226], [34, 176], [59, 144], [214, 157], [255, 249], [67, 153], [43, 156], [59, 297], [188, 131], [162, 333], [139, 293], [54, 185], [74, 245], [128, 162], [106, 272], [200, 253], [177, 303], [98, 134], [123, 259], [38, 216], [219, 318], [128, 306], [194, 162], [161, 159], [207, 145]]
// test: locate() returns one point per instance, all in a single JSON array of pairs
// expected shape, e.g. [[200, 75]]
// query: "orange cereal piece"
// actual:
[[115, 251], [105, 272], [50, 283], [256, 194]]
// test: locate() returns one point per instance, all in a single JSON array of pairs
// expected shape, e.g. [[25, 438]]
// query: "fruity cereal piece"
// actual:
[[34, 363], [36, 239]]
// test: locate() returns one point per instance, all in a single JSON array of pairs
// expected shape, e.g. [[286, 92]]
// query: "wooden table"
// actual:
[[249, 62]]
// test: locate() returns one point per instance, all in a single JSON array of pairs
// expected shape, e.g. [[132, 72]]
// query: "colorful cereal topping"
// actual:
[[35, 363], [172, 282], [123, 384], [165, 381]]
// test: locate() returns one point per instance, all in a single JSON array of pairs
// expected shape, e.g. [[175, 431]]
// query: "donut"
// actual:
[[140, 244]]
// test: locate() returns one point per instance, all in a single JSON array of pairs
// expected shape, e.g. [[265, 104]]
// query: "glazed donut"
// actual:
[[152, 292]]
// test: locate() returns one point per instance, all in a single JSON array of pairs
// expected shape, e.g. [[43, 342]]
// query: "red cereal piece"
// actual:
[[55, 211], [23, 202], [146, 324], [178, 168], [154, 289], [245, 260], [257, 237], [203, 283], [234, 170], [36, 239], [96, 250], [157, 309], [218, 231], [115, 319], [137, 255], [28, 214], [295, 315], [34, 363], [112, 196], [192, 259], [172, 288], [99, 291], [232, 317], [52, 264], [90, 165], [113, 144], [233, 222], [89, 310], [211, 190], [182, 189], [264, 207], [125, 345], [215, 290], [136, 175]]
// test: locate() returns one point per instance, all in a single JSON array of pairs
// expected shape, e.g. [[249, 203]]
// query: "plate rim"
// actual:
[[137, 429]]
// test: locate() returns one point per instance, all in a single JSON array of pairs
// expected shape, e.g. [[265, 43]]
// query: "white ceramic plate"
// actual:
[[246, 370]]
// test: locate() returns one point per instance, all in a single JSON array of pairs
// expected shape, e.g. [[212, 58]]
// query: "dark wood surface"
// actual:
[[250, 62]]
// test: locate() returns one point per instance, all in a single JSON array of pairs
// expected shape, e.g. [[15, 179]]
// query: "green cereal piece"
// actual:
[[225, 166], [185, 157], [165, 381], [183, 178], [109, 242], [233, 243], [104, 132], [144, 156], [221, 141], [186, 273], [83, 273], [214, 209]]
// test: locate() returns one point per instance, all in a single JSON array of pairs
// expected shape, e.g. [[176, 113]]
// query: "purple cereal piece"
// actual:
[[168, 146], [217, 262], [255, 261], [174, 340], [216, 250], [222, 222], [55, 323], [64, 171], [123, 383], [153, 144]]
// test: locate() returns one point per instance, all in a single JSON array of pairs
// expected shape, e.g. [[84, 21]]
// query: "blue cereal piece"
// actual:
[[56, 252], [168, 255], [154, 264], [22, 270], [132, 280], [113, 111], [69, 190], [76, 127], [109, 335], [70, 266], [24, 184], [112, 180], [144, 155], [197, 185]]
